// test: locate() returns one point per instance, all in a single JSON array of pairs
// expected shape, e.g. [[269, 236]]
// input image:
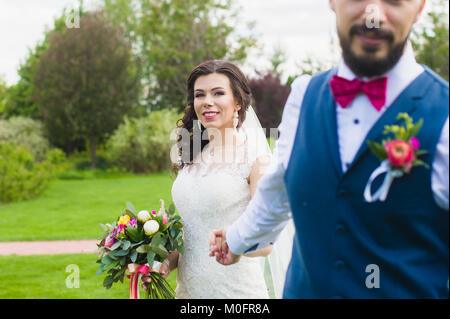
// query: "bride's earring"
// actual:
[[199, 124], [236, 119]]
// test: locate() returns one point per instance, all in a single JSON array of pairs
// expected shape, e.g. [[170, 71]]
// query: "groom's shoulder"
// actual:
[[437, 79], [304, 79], [301, 82]]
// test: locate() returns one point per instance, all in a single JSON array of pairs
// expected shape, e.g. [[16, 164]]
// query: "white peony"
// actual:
[[143, 216], [151, 227]]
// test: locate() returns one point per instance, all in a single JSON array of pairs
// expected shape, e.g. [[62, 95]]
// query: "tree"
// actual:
[[85, 82], [277, 59], [173, 36], [3, 95], [430, 39], [20, 95]]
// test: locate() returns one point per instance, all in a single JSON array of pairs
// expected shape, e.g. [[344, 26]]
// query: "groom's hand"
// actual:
[[220, 249]]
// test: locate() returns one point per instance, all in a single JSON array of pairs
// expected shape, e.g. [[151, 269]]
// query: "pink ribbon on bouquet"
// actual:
[[136, 273]]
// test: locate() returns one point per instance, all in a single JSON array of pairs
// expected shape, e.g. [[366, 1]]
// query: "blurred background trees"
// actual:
[[173, 36], [85, 82], [430, 39]]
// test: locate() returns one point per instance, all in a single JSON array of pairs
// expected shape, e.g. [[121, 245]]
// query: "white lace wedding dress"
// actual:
[[210, 195]]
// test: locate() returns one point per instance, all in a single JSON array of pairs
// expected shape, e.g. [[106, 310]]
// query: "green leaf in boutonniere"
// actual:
[[414, 129], [377, 149], [418, 162]]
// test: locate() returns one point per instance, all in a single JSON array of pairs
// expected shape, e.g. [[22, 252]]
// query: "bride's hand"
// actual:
[[220, 249], [164, 270]]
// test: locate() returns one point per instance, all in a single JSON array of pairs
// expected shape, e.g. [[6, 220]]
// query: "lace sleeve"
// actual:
[[254, 158]]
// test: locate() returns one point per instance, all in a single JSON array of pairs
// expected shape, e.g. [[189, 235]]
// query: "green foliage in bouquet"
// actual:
[[143, 238]]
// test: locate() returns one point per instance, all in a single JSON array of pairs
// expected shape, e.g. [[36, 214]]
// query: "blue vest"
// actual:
[[343, 243]]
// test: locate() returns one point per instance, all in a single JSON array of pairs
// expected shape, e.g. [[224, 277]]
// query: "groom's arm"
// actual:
[[269, 211]]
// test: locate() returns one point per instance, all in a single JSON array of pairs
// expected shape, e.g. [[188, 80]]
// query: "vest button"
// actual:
[[339, 264], [340, 228], [343, 191]]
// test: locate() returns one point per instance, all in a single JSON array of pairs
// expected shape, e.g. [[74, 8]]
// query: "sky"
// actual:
[[301, 28]]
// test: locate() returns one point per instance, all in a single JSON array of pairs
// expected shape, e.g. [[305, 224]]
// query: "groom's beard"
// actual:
[[367, 66]]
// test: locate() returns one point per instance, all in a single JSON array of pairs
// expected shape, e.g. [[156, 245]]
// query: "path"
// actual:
[[48, 247]]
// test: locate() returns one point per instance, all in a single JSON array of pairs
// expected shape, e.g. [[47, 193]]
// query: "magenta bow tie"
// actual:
[[345, 91]]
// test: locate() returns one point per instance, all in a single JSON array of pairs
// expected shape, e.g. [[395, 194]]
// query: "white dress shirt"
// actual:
[[268, 211]]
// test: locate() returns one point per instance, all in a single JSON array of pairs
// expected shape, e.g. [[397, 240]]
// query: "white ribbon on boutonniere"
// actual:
[[383, 190]]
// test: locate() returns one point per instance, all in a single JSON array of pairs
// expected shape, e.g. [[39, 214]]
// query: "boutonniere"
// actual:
[[398, 156]]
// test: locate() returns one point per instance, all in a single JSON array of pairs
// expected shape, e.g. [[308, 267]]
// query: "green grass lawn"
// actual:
[[72, 209], [44, 277]]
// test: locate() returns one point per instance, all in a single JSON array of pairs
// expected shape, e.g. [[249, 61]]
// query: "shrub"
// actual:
[[27, 132], [21, 177], [143, 145], [269, 97]]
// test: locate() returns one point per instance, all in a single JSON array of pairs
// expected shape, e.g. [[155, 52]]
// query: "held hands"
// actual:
[[219, 248]]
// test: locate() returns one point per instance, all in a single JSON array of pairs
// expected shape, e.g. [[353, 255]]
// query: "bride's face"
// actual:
[[214, 102]]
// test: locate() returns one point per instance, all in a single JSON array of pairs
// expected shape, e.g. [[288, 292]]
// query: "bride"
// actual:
[[218, 169]]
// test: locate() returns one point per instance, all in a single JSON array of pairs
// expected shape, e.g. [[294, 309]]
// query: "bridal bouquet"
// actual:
[[140, 243]]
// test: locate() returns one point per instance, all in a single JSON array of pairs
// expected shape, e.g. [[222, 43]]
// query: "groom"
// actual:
[[344, 245]]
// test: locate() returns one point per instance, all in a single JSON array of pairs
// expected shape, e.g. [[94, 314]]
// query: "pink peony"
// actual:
[[400, 153], [165, 220]]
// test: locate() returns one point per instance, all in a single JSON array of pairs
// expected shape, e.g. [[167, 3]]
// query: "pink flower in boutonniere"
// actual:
[[415, 143], [400, 154]]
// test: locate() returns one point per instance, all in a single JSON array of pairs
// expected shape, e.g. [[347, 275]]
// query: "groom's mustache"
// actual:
[[362, 29]]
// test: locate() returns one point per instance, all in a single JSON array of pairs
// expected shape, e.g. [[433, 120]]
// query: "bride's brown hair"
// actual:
[[241, 92]]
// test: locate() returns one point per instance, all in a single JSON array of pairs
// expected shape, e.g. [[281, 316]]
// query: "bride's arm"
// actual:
[[258, 170]]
